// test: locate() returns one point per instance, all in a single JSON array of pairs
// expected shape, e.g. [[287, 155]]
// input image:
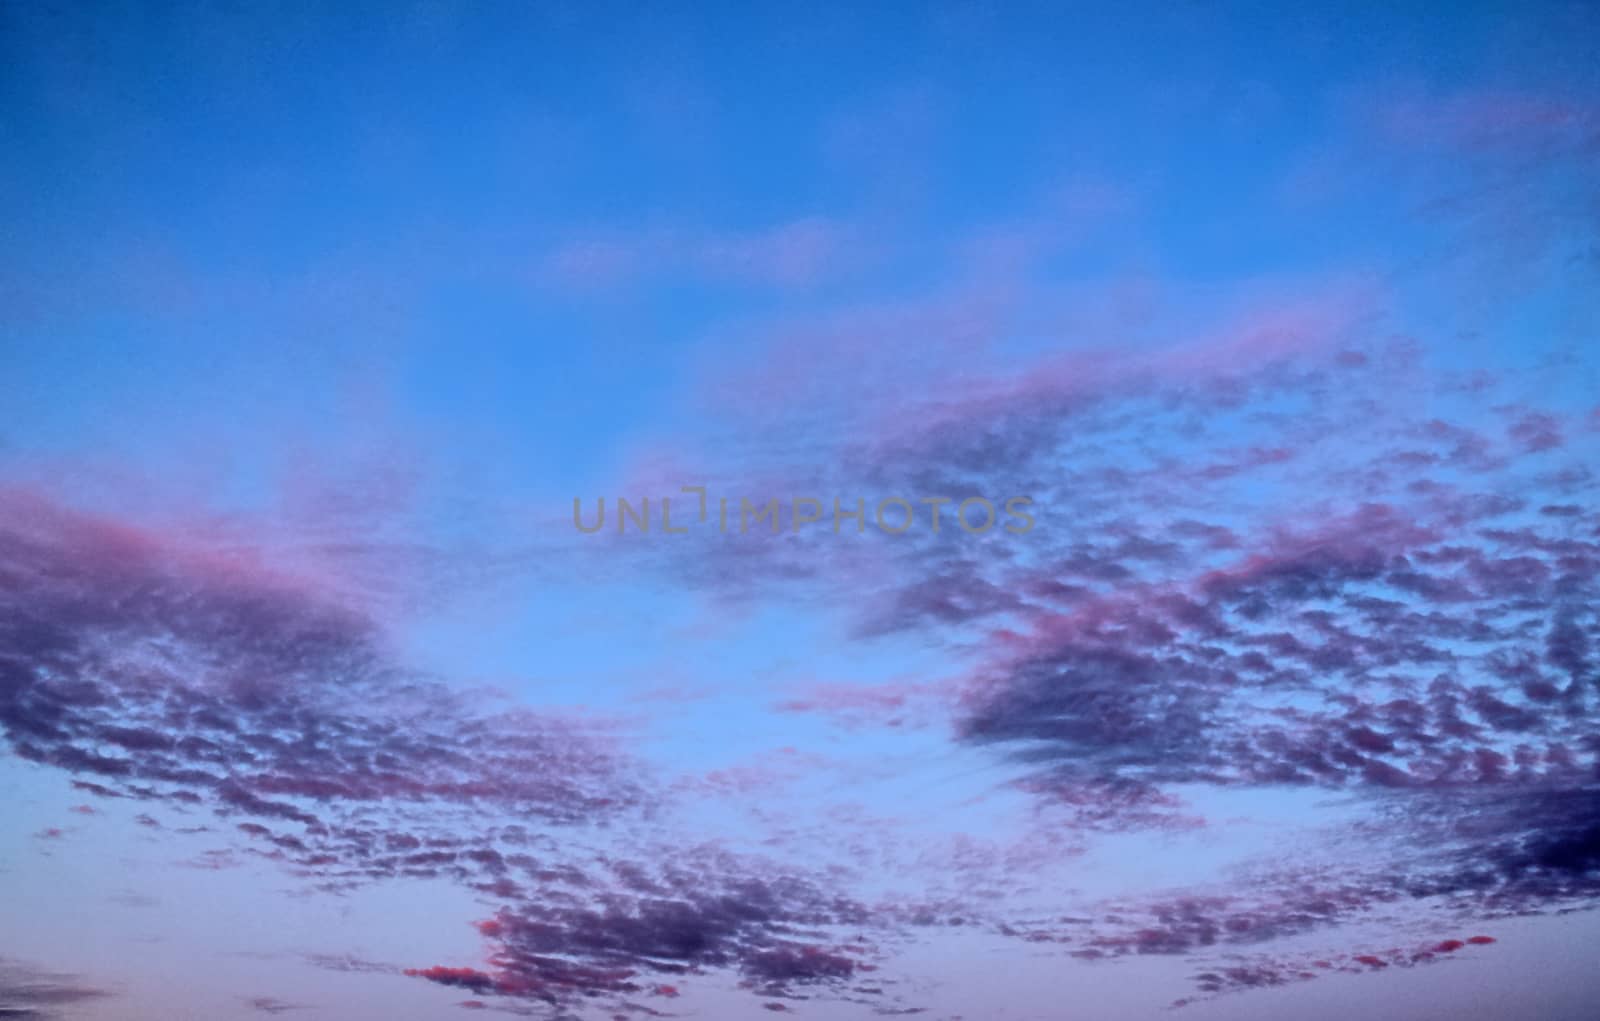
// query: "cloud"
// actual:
[[272, 1005], [1286, 556], [130, 658], [1273, 552], [165, 679], [30, 992], [666, 921], [1240, 973]]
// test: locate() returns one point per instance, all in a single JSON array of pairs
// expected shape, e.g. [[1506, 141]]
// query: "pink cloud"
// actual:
[[857, 705]]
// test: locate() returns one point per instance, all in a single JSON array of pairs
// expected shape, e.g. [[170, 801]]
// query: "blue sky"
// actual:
[[314, 323]]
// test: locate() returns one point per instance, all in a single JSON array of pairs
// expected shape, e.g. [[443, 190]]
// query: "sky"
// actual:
[[955, 510]]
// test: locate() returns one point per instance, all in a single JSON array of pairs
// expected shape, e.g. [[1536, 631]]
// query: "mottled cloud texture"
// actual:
[[1294, 681], [1421, 635], [174, 678]]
